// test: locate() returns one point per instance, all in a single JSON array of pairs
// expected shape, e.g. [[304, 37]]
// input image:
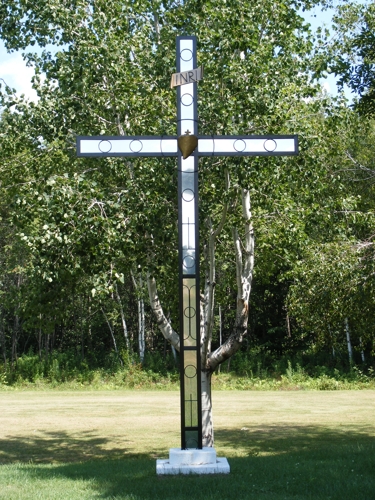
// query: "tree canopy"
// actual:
[[76, 233]]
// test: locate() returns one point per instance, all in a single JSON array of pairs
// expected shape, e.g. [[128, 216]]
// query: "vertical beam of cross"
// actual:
[[188, 228], [160, 146]]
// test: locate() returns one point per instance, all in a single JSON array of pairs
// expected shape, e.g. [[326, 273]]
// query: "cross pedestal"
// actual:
[[188, 146], [193, 461]]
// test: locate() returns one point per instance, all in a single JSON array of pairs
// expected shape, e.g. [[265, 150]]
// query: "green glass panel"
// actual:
[[191, 439], [189, 312], [191, 389]]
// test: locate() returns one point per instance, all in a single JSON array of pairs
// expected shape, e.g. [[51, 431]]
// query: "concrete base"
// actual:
[[192, 462]]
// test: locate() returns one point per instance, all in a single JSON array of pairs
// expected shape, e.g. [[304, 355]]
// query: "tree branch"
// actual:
[[162, 322]]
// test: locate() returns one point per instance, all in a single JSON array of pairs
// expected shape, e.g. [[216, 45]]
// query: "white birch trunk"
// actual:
[[164, 325], [113, 337], [362, 351], [244, 274], [350, 350], [207, 422], [141, 323], [141, 316], [2, 341], [123, 321], [220, 333]]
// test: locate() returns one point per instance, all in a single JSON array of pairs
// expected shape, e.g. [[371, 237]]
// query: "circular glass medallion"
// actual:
[[239, 145], [190, 371], [105, 146], [189, 312], [186, 55], [136, 146], [189, 262], [187, 100], [188, 195], [270, 145]]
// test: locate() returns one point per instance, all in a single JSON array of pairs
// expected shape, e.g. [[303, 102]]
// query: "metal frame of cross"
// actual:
[[188, 229]]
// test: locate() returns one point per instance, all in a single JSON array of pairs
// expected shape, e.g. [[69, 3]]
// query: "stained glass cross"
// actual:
[[158, 146]]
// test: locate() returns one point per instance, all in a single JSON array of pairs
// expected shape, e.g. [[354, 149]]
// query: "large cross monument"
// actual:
[[188, 146]]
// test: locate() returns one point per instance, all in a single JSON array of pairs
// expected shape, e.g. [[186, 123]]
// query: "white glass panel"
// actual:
[[286, 145], [205, 145], [187, 187], [186, 51], [124, 146], [187, 112], [188, 234], [255, 145], [148, 146], [188, 164], [89, 146], [224, 146], [187, 125], [187, 211], [169, 146], [128, 146], [239, 146]]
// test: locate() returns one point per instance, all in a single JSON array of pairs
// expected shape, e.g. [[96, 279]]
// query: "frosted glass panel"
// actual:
[[128, 146], [243, 145], [188, 164], [187, 183], [188, 234], [187, 217], [186, 55], [188, 262]]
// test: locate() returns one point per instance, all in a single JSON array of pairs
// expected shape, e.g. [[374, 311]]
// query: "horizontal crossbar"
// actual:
[[216, 145]]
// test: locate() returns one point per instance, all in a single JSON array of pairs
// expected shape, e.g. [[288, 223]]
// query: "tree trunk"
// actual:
[[15, 340], [40, 338], [113, 337], [207, 422], [2, 341], [362, 351], [244, 274], [141, 315], [47, 346], [141, 323], [350, 350], [174, 354], [124, 326], [164, 325], [220, 333]]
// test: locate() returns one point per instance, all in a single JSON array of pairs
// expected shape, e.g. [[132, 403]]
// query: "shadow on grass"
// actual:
[[59, 447], [270, 462]]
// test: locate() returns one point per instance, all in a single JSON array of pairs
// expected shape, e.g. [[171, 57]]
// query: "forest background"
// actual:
[[80, 238]]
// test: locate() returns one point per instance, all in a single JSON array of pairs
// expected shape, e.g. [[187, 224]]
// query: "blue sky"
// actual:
[[15, 73]]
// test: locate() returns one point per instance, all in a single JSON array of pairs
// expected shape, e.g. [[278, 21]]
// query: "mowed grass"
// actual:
[[95, 445]]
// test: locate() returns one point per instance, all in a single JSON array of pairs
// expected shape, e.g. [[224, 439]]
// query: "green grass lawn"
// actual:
[[280, 445]]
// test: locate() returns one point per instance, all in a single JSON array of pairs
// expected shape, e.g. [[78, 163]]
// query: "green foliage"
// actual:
[[75, 229], [355, 52], [251, 370]]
